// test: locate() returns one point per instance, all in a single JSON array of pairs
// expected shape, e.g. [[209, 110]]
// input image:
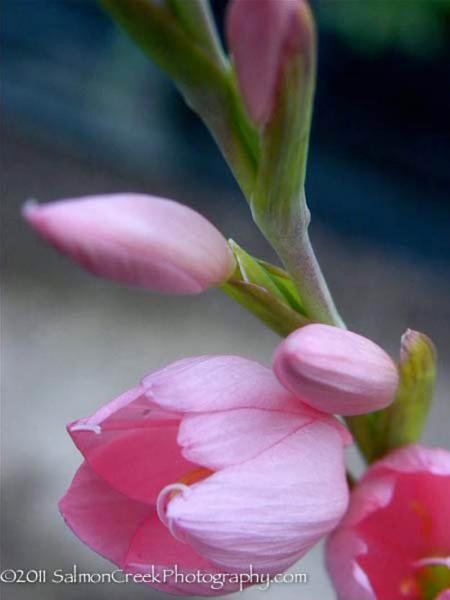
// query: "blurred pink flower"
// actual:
[[394, 542], [136, 239], [336, 371], [209, 464], [263, 36]]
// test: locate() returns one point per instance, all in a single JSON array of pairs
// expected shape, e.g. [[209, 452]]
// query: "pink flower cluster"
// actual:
[[216, 463], [219, 464]]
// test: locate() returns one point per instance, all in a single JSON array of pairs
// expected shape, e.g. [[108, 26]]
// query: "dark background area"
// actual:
[[84, 112], [381, 108]]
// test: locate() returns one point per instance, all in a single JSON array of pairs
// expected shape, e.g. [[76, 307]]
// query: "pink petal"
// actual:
[[423, 483], [220, 439], [345, 545], [129, 534], [349, 579], [217, 383], [100, 516], [153, 544], [352, 544], [399, 515], [369, 496], [270, 510], [139, 240], [133, 445], [416, 458], [214, 383], [415, 525], [335, 370]]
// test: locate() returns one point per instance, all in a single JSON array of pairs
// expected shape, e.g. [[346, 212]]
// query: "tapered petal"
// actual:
[[422, 474], [102, 517], [244, 433], [336, 371], [136, 239], [223, 438], [414, 459], [222, 382], [133, 445], [270, 510], [129, 534], [153, 545], [350, 580]]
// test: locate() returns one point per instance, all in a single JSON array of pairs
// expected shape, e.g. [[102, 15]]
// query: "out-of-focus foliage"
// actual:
[[416, 26]]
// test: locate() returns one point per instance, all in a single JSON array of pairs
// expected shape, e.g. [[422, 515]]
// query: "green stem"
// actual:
[[196, 17], [203, 75], [300, 261]]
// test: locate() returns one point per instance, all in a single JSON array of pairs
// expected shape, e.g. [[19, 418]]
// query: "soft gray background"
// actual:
[[71, 342]]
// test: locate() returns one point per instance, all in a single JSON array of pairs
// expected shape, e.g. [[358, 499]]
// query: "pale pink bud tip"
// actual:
[[336, 371], [263, 35], [138, 240]]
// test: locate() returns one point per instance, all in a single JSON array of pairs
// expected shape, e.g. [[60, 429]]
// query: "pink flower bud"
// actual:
[[263, 36], [394, 541], [336, 371], [138, 240]]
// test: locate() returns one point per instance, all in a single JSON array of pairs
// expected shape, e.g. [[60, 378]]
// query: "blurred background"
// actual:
[[85, 112]]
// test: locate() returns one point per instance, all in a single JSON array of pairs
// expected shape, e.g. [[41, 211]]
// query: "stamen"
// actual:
[[433, 561], [179, 488]]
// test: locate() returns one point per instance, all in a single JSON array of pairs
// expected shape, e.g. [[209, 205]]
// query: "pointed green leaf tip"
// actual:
[[252, 271], [266, 291], [402, 423], [406, 417]]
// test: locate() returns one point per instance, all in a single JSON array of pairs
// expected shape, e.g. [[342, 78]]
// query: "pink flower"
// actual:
[[263, 36], [336, 371], [394, 542], [209, 464], [139, 240]]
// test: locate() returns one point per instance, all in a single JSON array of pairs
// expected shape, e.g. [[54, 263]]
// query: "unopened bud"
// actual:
[[264, 37], [139, 240], [336, 371]]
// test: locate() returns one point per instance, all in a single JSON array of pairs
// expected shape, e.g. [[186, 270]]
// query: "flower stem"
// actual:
[[301, 263]]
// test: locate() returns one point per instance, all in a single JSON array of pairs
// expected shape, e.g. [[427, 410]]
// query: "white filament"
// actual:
[[433, 560], [161, 505]]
